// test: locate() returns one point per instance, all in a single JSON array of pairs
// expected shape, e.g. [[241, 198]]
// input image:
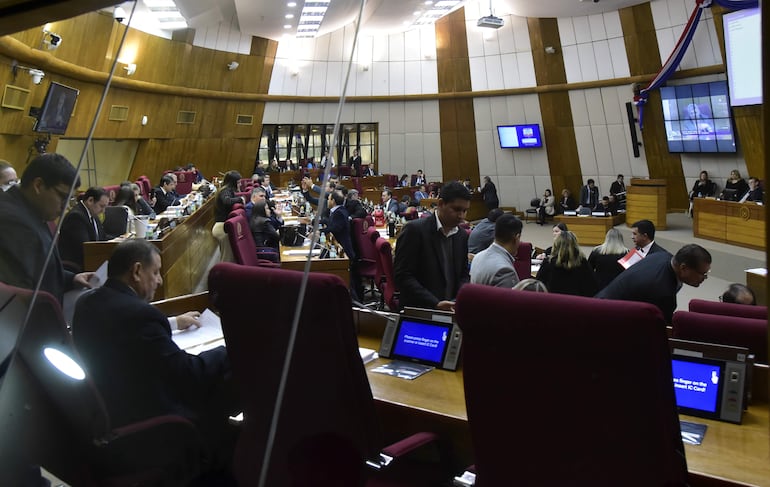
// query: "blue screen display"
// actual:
[[696, 385], [422, 341], [519, 136], [697, 118]]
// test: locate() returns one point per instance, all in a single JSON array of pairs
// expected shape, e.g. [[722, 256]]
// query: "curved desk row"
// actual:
[[729, 222]]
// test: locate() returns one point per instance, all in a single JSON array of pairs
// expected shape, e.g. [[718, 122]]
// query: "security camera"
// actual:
[[119, 14], [37, 76]]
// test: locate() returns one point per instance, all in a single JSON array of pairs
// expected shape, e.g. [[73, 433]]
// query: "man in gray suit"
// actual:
[[494, 266]]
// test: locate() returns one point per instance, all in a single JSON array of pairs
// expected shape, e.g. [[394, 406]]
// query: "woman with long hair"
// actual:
[[567, 270], [127, 198], [737, 183], [224, 205], [604, 258], [557, 229], [265, 234]]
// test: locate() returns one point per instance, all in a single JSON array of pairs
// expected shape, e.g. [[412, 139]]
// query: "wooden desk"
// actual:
[[338, 267], [646, 199], [590, 230], [477, 211], [757, 281], [739, 454], [185, 253], [730, 222]]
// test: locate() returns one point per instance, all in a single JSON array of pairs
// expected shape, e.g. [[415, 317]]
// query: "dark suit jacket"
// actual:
[[392, 206], [755, 195], [616, 187], [355, 208], [419, 273], [565, 204], [339, 226], [489, 194], [76, 229], [584, 196], [656, 248], [355, 163], [163, 200], [126, 346], [24, 244], [652, 280]]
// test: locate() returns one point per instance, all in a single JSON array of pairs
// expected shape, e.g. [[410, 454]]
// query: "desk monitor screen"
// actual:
[[729, 194], [424, 341], [709, 379]]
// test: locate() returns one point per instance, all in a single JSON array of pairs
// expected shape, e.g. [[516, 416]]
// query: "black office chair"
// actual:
[[535, 204], [115, 221]]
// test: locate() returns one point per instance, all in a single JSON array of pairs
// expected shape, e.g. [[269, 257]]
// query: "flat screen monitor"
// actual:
[[57, 109], [519, 136], [697, 118], [743, 49]]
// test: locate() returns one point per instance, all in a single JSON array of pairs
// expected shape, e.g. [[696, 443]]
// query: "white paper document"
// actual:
[[209, 331]]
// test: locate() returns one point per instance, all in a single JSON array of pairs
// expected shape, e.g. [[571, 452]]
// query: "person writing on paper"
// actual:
[[643, 236], [658, 278], [604, 258], [125, 344], [431, 261], [494, 266], [25, 210]]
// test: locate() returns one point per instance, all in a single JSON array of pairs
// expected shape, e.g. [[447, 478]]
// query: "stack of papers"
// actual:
[[367, 354], [632, 257], [210, 332]]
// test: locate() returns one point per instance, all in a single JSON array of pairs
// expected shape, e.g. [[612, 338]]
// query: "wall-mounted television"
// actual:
[[57, 109], [519, 136], [743, 49], [697, 118]]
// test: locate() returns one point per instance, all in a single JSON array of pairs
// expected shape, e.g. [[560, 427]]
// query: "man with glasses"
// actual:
[[25, 239], [658, 278]]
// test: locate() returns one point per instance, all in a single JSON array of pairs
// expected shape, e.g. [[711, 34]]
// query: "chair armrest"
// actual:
[[401, 448]]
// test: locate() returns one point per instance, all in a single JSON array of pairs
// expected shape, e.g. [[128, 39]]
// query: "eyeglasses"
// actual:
[[63, 195]]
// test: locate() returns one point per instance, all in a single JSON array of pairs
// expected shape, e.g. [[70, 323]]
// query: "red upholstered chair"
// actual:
[[327, 411], [236, 212], [387, 285], [344, 171], [245, 184], [366, 265], [145, 186], [523, 262], [728, 309], [242, 242], [112, 191], [238, 206], [588, 401], [391, 180], [357, 185], [75, 439], [184, 182], [724, 330]]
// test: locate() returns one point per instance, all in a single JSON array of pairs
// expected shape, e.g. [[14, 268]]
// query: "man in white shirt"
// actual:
[[494, 266]]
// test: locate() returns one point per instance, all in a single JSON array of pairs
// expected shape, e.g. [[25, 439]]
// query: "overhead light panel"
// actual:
[[436, 11], [311, 17]]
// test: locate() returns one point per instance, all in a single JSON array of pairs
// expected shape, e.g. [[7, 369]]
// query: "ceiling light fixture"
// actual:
[[291, 4], [436, 11], [287, 26], [311, 17], [289, 16]]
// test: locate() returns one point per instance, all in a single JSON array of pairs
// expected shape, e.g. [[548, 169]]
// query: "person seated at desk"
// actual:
[[737, 184], [389, 204], [567, 271], [420, 194], [483, 234], [737, 293], [82, 224], [755, 192], [404, 181], [703, 187], [352, 203], [556, 230], [226, 198], [367, 170], [566, 203], [605, 206], [546, 207], [604, 258], [494, 265], [142, 206], [125, 344], [164, 193], [262, 229], [431, 261]]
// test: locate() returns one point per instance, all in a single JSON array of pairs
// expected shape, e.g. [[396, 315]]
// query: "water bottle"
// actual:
[[333, 252], [322, 239]]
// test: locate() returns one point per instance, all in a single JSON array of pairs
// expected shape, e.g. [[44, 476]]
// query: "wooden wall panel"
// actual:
[[640, 40], [459, 151], [555, 108]]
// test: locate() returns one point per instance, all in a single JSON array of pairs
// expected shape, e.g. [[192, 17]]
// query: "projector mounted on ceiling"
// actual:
[[490, 21]]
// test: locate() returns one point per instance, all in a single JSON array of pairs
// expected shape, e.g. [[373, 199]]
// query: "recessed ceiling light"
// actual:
[[289, 16], [416, 12], [291, 4], [428, 2], [287, 26]]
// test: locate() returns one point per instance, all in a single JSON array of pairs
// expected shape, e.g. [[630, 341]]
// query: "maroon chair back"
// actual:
[[245, 184], [388, 284], [367, 253], [237, 211], [523, 262], [112, 191], [757, 312], [238, 206], [242, 242], [357, 184], [334, 401], [413, 180], [392, 180], [344, 171], [574, 415], [724, 330], [184, 181]]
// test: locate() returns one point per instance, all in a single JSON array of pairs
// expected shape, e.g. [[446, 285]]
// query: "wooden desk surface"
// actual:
[[730, 222], [738, 453]]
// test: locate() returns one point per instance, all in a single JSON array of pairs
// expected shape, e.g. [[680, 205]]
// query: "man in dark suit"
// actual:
[[432, 253], [338, 224], [419, 179], [643, 236], [165, 193], [25, 210], [355, 163], [125, 344], [82, 224], [755, 192], [388, 203], [657, 279], [353, 204], [368, 170], [589, 195]]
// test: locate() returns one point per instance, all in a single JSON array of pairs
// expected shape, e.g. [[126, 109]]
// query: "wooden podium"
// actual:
[[646, 200]]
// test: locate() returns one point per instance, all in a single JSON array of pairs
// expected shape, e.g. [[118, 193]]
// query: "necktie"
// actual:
[[640, 250]]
